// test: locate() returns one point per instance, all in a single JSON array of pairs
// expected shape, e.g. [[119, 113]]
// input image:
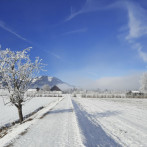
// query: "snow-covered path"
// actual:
[[93, 134], [58, 128]]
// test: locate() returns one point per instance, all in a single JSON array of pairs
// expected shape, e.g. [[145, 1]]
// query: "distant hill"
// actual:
[[51, 81]]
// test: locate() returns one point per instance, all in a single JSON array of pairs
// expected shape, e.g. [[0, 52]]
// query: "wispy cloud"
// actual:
[[56, 55], [4, 26], [75, 31], [141, 53], [137, 21], [137, 27], [89, 6]]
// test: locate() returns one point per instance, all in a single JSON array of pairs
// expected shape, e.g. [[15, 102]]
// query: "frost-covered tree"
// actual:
[[17, 71], [46, 87], [143, 83]]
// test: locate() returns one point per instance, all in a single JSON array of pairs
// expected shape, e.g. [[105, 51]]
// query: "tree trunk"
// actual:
[[20, 113]]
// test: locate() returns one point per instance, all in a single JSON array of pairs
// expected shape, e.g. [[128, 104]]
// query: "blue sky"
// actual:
[[82, 42]]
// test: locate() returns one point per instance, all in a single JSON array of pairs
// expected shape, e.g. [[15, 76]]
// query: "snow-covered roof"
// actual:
[[31, 89], [50, 79], [133, 91]]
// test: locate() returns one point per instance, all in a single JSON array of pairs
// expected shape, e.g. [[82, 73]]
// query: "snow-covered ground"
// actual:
[[8, 113], [75, 122], [112, 121], [58, 128]]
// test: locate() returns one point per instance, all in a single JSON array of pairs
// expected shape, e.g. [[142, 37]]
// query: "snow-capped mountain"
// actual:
[[51, 81]]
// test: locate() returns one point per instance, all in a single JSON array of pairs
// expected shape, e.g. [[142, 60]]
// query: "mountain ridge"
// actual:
[[51, 81]]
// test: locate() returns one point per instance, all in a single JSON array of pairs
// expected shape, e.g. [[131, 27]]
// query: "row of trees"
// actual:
[[16, 72]]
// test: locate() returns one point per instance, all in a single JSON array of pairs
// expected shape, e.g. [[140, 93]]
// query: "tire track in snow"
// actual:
[[93, 133], [125, 126]]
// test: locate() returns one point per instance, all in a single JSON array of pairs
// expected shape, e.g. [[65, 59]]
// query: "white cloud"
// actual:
[[3, 26], [137, 21], [139, 48], [143, 55], [137, 27]]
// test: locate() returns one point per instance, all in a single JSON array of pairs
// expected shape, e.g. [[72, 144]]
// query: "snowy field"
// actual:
[[83, 122], [112, 121], [8, 113]]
